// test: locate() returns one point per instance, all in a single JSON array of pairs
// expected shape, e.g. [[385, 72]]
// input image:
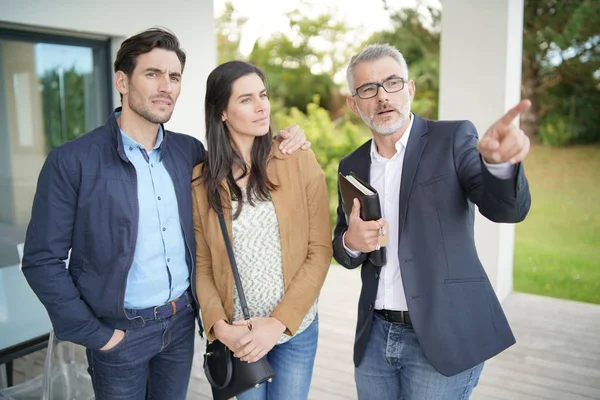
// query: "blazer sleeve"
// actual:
[[211, 305], [306, 284], [499, 200], [47, 244]]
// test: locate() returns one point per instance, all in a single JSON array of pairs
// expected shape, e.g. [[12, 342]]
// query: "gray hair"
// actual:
[[374, 52]]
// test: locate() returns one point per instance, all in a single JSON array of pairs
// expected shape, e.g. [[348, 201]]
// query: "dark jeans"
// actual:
[[153, 361]]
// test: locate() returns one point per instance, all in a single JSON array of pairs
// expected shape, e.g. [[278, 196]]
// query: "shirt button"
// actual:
[[130, 148], [164, 229], [159, 197], [168, 259]]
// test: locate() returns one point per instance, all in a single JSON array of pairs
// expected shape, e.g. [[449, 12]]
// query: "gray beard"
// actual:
[[382, 130]]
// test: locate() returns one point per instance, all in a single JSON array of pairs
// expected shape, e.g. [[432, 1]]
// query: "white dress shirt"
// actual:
[[385, 178]]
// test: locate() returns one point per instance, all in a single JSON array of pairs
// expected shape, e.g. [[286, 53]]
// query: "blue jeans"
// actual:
[[395, 367], [153, 361], [293, 363]]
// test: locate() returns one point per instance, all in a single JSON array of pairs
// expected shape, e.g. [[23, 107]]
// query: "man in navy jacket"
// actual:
[[428, 318], [119, 200]]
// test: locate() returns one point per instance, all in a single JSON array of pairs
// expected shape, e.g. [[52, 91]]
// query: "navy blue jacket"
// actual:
[[453, 308], [86, 201]]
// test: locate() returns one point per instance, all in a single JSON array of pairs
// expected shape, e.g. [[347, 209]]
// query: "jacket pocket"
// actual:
[[463, 280], [432, 180]]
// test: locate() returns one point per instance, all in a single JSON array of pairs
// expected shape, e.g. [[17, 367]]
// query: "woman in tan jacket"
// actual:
[[276, 210]]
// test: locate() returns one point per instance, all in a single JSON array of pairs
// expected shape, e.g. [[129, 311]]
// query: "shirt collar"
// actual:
[[400, 144]]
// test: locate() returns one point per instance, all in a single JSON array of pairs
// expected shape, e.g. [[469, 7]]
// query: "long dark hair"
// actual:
[[222, 154]]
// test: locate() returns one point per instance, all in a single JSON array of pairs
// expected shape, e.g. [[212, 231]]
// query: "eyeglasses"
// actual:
[[370, 90]]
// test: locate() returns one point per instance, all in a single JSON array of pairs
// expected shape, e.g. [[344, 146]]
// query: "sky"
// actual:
[[266, 17]]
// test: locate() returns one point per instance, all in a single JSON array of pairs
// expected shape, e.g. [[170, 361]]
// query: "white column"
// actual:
[[480, 79]]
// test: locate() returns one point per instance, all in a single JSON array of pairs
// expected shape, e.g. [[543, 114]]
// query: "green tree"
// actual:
[[229, 27], [302, 64], [63, 99], [331, 140], [416, 33], [561, 62]]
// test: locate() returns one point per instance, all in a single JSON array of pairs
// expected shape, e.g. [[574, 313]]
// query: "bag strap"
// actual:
[[236, 274]]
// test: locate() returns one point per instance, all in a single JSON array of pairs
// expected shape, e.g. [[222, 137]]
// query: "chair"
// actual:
[[64, 377], [65, 372]]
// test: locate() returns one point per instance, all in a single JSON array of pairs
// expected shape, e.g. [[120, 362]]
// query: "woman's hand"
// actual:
[[264, 334], [230, 335]]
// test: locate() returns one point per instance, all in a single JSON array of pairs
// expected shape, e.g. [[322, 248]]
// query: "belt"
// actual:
[[398, 317], [164, 311]]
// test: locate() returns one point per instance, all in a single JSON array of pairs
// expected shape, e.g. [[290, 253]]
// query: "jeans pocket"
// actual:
[[118, 345]]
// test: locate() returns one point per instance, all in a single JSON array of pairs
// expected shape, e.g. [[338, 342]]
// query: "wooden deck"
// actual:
[[557, 355]]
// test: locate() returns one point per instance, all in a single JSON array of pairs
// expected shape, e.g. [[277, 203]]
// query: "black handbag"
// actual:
[[228, 375]]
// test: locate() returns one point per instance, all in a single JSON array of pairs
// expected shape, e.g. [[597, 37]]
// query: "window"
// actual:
[[52, 90]]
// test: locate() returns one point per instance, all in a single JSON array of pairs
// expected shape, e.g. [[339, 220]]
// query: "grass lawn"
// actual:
[[557, 247]]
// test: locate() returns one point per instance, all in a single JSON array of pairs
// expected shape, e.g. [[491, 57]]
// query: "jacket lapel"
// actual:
[[414, 149], [362, 168]]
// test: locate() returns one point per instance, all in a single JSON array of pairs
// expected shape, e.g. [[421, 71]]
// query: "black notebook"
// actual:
[[352, 187]]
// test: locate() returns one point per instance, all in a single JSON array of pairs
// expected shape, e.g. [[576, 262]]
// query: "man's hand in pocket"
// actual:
[[116, 338]]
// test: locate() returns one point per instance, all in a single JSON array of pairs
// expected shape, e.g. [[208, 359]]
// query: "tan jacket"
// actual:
[[302, 207]]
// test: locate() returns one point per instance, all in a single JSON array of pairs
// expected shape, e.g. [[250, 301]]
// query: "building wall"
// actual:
[[191, 21]]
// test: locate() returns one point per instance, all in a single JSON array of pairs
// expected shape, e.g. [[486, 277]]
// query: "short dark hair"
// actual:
[[144, 42]]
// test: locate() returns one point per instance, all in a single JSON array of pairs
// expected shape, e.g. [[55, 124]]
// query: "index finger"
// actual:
[[372, 225], [514, 112], [288, 132], [290, 145]]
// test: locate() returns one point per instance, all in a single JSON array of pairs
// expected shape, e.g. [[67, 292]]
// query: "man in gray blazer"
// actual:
[[428, 318]]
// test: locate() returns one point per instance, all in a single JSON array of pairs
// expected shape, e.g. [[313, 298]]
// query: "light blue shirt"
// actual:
[[159, 272]]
